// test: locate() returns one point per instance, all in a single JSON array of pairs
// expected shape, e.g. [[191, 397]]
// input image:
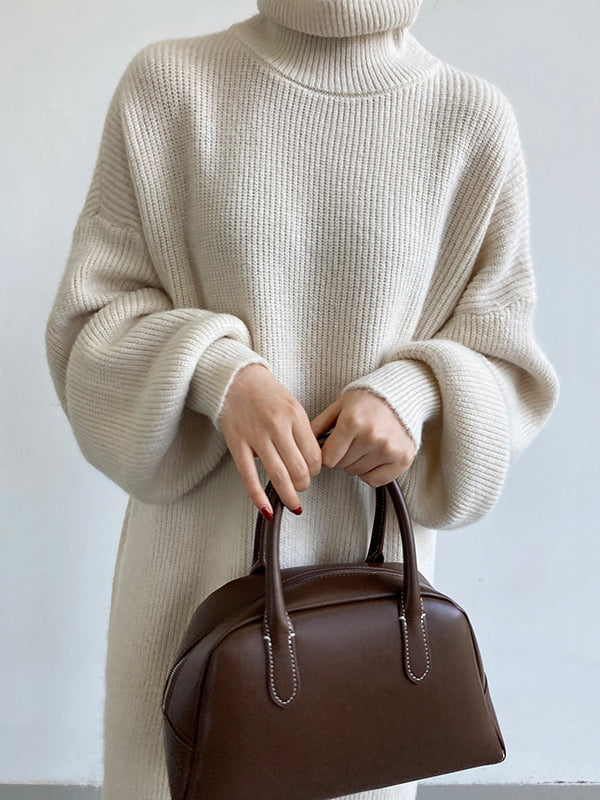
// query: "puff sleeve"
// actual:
[[475, 393], [141, 379]]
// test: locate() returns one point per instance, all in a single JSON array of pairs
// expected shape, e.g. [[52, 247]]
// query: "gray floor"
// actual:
[[540, 791]]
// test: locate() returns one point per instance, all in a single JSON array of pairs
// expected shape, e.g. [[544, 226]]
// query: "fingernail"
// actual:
[[266, 512], [297, 510]]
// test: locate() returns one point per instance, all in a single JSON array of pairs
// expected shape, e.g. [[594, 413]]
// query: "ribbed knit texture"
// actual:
[[312, 190]]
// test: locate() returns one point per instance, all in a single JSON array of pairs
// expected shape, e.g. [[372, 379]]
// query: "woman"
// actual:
[[302, 223]]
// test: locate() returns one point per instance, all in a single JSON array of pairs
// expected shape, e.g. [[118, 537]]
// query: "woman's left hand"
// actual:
[[368, 439]]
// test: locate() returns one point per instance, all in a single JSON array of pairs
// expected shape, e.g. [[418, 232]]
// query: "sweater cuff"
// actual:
[[216, 368], [410, 388]]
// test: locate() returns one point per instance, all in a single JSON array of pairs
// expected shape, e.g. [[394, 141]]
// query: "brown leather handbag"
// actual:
[[316, 681]]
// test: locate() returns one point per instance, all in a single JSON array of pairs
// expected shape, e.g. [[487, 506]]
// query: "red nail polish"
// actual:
[[266, 513], [297, 510]]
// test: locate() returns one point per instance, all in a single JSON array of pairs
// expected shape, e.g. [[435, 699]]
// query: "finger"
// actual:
[[323, 421], [381, 475], [309, 447], [336, 446], [294, 461], [243, 456], [278, 474], [363, 464]]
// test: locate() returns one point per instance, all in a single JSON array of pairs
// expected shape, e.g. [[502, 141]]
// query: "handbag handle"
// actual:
[[278, 631], [375, 551]]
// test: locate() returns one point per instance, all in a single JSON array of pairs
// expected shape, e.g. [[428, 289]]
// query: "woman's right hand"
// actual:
[[261, 418]]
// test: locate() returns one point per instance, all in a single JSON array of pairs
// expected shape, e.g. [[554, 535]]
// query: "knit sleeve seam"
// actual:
[[521, 302], [96, 214]]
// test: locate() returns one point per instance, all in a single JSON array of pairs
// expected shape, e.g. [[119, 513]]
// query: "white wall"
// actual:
[[525, 574]]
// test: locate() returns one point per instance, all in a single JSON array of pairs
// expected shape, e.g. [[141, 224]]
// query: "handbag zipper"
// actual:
[[290, 581], [170, 681]]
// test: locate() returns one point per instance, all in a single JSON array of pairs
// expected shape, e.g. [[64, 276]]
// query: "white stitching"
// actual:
[[291, 634], [402, 618], [267, 636]]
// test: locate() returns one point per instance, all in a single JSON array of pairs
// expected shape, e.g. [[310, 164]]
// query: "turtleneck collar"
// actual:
[[341, 17], [346, 47]]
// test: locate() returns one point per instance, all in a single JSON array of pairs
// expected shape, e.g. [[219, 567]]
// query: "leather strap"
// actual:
[[279, 634], [375, 552]]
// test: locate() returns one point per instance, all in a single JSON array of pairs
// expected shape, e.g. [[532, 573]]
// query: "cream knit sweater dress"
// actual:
[[313, 190]]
